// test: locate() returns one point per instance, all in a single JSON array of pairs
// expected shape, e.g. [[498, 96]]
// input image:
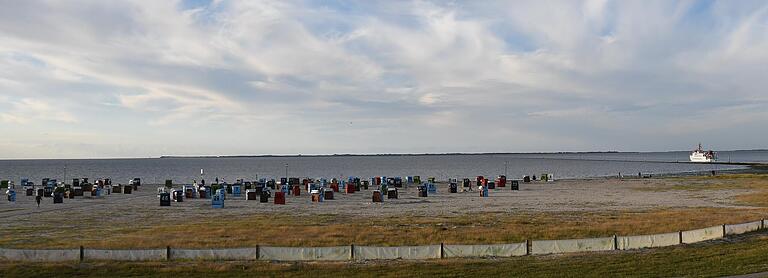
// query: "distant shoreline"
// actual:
[[750, 164], [377, 154]]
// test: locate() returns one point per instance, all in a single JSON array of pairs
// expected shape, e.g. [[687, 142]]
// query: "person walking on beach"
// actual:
[[38, 198]]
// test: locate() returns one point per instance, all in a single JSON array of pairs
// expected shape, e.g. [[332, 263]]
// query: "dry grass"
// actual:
[[754, 199], [330, 231]]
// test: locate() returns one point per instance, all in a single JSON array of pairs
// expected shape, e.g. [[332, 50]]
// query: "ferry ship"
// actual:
[[699, 155]]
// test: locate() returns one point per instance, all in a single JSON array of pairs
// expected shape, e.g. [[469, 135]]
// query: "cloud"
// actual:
[[582, 70], [27, 110]]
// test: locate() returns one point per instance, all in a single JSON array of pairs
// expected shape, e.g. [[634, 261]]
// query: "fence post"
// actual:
[[615, 242], [167, 252], [258, 252], [352, 252], [442, 250], [82, 253], [528, 246], [762, 224], [723, 230], [680, 235]]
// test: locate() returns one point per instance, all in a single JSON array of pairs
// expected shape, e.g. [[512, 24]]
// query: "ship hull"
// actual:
[[700, 158]]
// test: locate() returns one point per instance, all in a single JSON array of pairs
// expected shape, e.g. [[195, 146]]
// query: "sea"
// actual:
[[441, 166]]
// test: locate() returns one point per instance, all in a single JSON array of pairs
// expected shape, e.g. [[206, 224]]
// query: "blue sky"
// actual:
[[216, 77]]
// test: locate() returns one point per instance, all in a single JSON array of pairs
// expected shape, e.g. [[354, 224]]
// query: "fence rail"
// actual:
[[353, 252]]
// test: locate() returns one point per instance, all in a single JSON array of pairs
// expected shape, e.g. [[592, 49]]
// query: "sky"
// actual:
[[92, 79]]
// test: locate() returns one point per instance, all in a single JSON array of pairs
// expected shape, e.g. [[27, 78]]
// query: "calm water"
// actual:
[[155, 170]]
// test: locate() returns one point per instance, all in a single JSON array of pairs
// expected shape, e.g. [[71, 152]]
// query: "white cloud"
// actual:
[[27, 110]]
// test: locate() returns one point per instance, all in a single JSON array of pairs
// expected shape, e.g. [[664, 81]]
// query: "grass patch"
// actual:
[[720, 182], [756, 183], [754, 199]]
